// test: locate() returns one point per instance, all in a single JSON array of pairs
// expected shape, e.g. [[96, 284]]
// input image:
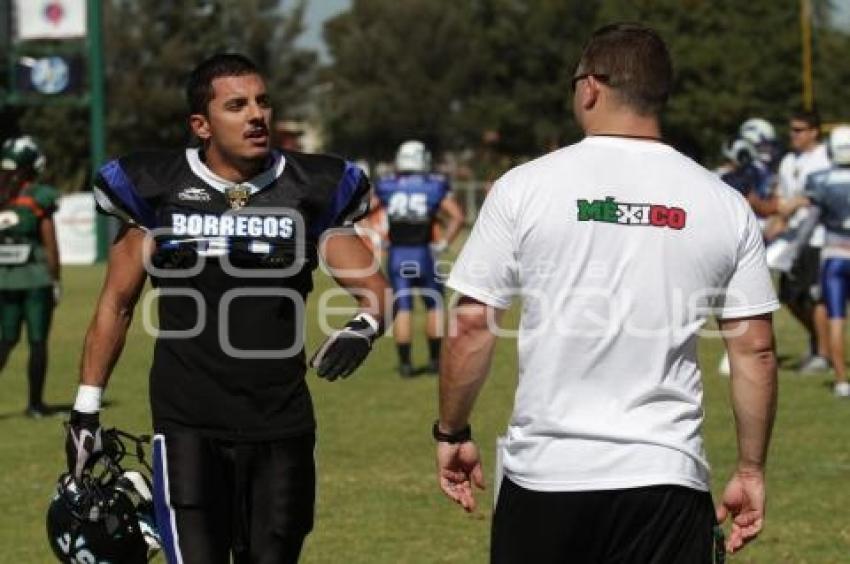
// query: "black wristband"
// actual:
[[462, 436], [84, 420]]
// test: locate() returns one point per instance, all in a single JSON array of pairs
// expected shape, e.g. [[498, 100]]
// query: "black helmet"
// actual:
[[107, 514]]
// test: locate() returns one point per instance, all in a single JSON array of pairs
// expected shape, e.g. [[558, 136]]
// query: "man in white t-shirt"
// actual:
[[799, 288], [619, 247]]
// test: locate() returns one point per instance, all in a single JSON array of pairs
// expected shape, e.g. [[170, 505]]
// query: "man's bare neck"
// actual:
[[625, 124], [234, 171]]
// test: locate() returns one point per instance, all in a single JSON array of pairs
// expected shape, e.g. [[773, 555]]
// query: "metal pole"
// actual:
[[6, 38], [97, 136], [806, 29]]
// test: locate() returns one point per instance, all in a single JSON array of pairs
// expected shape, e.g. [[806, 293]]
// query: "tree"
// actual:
[[831, 68], [510, 72], [532, 47], [735, 60], [400, 70]]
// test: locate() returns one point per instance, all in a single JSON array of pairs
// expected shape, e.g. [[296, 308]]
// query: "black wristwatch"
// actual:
[[462, 436]]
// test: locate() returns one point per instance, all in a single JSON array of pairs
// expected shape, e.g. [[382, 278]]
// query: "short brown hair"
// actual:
[[634, 61], [809, 117]]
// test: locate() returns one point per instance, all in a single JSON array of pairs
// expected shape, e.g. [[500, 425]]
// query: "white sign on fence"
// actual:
[[76, 229], [50, 19]]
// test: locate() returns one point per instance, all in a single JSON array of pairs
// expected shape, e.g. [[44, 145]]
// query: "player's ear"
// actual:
[[589, 95], [200, 126]]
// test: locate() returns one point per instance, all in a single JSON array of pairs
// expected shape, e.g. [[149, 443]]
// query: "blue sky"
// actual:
[[317, 12], [842, 13]]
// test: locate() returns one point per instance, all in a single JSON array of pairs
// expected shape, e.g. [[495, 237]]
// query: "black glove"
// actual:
[[344, 350], [83, 440]]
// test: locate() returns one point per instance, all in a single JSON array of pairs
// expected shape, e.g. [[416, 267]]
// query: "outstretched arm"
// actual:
[[354, 268], [752, 358]]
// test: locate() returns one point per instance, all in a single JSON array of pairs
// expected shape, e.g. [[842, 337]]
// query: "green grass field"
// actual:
[[377, 497]]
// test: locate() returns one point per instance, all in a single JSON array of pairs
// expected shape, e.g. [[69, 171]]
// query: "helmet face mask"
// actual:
[[106, 516], [413, 156], [740, 151]]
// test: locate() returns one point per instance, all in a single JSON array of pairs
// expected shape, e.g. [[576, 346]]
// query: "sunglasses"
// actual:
[[800, 129], [603, 78]]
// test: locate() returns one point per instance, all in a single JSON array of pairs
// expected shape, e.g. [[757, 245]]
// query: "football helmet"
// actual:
[[762, 135], [757, 131], [107, 515], [413, 156], [839, 145], [739, 151], [22, 153]]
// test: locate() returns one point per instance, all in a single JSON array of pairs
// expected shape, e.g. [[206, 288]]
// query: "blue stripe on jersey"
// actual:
[[122, 187], [341, 199], [165, 519]]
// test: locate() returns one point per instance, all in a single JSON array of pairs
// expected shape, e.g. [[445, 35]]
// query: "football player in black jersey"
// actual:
[[229, 234]]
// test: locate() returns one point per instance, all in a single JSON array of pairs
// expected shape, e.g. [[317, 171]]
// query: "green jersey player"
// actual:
[[29, 260]]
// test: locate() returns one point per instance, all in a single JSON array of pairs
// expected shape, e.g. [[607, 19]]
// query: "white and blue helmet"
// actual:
[[413, 156], [839, 145], [757, 131]]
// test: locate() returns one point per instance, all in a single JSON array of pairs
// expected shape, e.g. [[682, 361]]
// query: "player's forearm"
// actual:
[[103, 344], [789, 206], [464, 366], [754, 391], [354, 268], [763, 207], [372, 296], [52, 255], [51, 248], [453, 229]]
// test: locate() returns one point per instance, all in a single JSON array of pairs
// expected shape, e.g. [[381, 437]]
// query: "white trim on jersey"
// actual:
[[109, 207], [172, 516], [254, 184]]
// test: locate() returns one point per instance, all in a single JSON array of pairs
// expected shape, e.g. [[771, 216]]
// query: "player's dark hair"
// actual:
[[199, 90], [633, 60], [809, 117]]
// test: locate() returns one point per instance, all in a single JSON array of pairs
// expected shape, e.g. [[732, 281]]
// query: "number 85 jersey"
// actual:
[[232, 268], [412, 202]]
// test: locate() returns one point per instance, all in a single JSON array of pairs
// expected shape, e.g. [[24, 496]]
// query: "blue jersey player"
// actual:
[[829, 191], [413, 197]]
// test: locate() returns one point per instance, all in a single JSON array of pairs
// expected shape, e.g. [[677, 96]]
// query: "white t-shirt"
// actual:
[[619, 249], [793, 171]]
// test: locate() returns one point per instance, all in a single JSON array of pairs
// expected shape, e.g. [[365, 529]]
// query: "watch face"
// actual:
[[50, 75]]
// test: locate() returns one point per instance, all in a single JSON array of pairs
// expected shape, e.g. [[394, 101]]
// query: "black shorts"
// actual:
[[214, 498], [802, 283], [656, 524]]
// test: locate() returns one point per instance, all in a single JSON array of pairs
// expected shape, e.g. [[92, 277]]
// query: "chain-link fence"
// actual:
[[470, 194]]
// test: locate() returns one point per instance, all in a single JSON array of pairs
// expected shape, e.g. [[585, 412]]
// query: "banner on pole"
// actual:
[[49, 19]]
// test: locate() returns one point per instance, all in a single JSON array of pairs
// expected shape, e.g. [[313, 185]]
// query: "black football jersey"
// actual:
[[232, 267]]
